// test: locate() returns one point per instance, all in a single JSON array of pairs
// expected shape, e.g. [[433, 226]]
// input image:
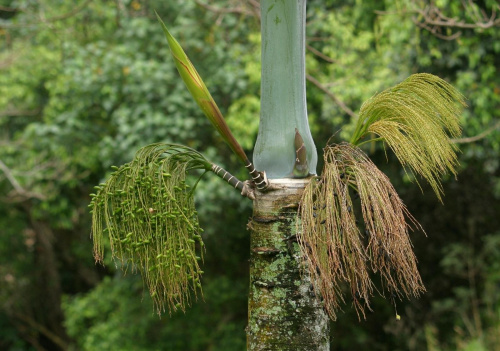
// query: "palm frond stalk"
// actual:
[[416, 119], [146, 209], [336, 251]]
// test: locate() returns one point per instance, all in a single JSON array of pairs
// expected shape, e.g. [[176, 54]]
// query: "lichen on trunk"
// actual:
[[284, 313]]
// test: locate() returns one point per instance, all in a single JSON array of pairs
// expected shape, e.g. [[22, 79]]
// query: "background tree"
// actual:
[[371, 50]]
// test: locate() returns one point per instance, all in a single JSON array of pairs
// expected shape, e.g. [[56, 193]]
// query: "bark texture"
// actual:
[[284, 313]]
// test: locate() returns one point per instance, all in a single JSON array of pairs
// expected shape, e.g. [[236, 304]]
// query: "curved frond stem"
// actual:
[[228, 177], [258, 178], [244, 187]]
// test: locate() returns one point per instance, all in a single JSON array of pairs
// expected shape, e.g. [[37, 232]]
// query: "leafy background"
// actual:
[[84, 84]]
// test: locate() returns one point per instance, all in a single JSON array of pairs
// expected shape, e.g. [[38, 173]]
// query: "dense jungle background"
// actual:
[[84, 84]]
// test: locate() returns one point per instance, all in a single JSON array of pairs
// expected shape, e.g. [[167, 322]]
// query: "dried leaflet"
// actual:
[[334, 249]]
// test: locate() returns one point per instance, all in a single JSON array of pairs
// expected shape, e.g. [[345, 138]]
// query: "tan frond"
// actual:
[[334, 249], [147, 211], [416, 119]]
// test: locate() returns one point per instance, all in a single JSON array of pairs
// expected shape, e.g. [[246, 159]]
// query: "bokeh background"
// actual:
[[84, 84]]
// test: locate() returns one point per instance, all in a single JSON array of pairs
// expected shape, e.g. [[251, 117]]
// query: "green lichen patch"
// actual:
[[284, 314]]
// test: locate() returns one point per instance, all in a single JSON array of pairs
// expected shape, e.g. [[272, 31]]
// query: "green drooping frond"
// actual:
[[335, 249], [416, 118], [147, 211]]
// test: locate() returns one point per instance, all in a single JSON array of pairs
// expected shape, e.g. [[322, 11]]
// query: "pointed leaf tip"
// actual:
[[200, 93]]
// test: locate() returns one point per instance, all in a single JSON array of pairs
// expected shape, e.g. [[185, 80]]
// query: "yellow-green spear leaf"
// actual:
[[200, 93]]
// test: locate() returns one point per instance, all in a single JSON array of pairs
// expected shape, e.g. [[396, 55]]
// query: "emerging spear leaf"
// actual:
[[335, 250], [147, 211], [415, 118], [202, 96], [200, 93]]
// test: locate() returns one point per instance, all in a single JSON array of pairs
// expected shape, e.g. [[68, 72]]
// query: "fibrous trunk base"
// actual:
[[284, 313]]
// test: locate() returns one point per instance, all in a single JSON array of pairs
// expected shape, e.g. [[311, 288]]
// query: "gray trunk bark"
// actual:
[[284, 313]]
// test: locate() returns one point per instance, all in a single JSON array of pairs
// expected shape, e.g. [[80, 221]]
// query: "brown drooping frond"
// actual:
[[331, 242], [333, 247], [416, 118], [146, 209]]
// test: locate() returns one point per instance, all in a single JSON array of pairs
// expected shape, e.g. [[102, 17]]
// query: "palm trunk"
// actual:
[[283, 91], [284, 313]]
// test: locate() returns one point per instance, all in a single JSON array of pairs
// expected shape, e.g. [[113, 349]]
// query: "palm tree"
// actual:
[[309, 243]]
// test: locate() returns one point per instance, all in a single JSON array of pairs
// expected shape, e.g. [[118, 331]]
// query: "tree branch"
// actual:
[[433, 16], [320, 54], [43, 330], [332, 96], [15, 184], [9, 60], [432, 19], [253, 9], [477, 137], [70, 13], [435, 31], [238, 9], [64, 16], [8, 9], [10, 177], [6, 113], [13, 56]]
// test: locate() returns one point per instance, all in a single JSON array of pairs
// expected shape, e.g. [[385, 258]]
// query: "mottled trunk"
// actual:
[[284, 313]]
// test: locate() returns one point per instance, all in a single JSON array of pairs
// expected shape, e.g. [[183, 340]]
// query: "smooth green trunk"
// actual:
[[283, 93], [284, 313]]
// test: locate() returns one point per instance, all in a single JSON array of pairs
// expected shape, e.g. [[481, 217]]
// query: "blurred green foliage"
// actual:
[[84, 84]]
